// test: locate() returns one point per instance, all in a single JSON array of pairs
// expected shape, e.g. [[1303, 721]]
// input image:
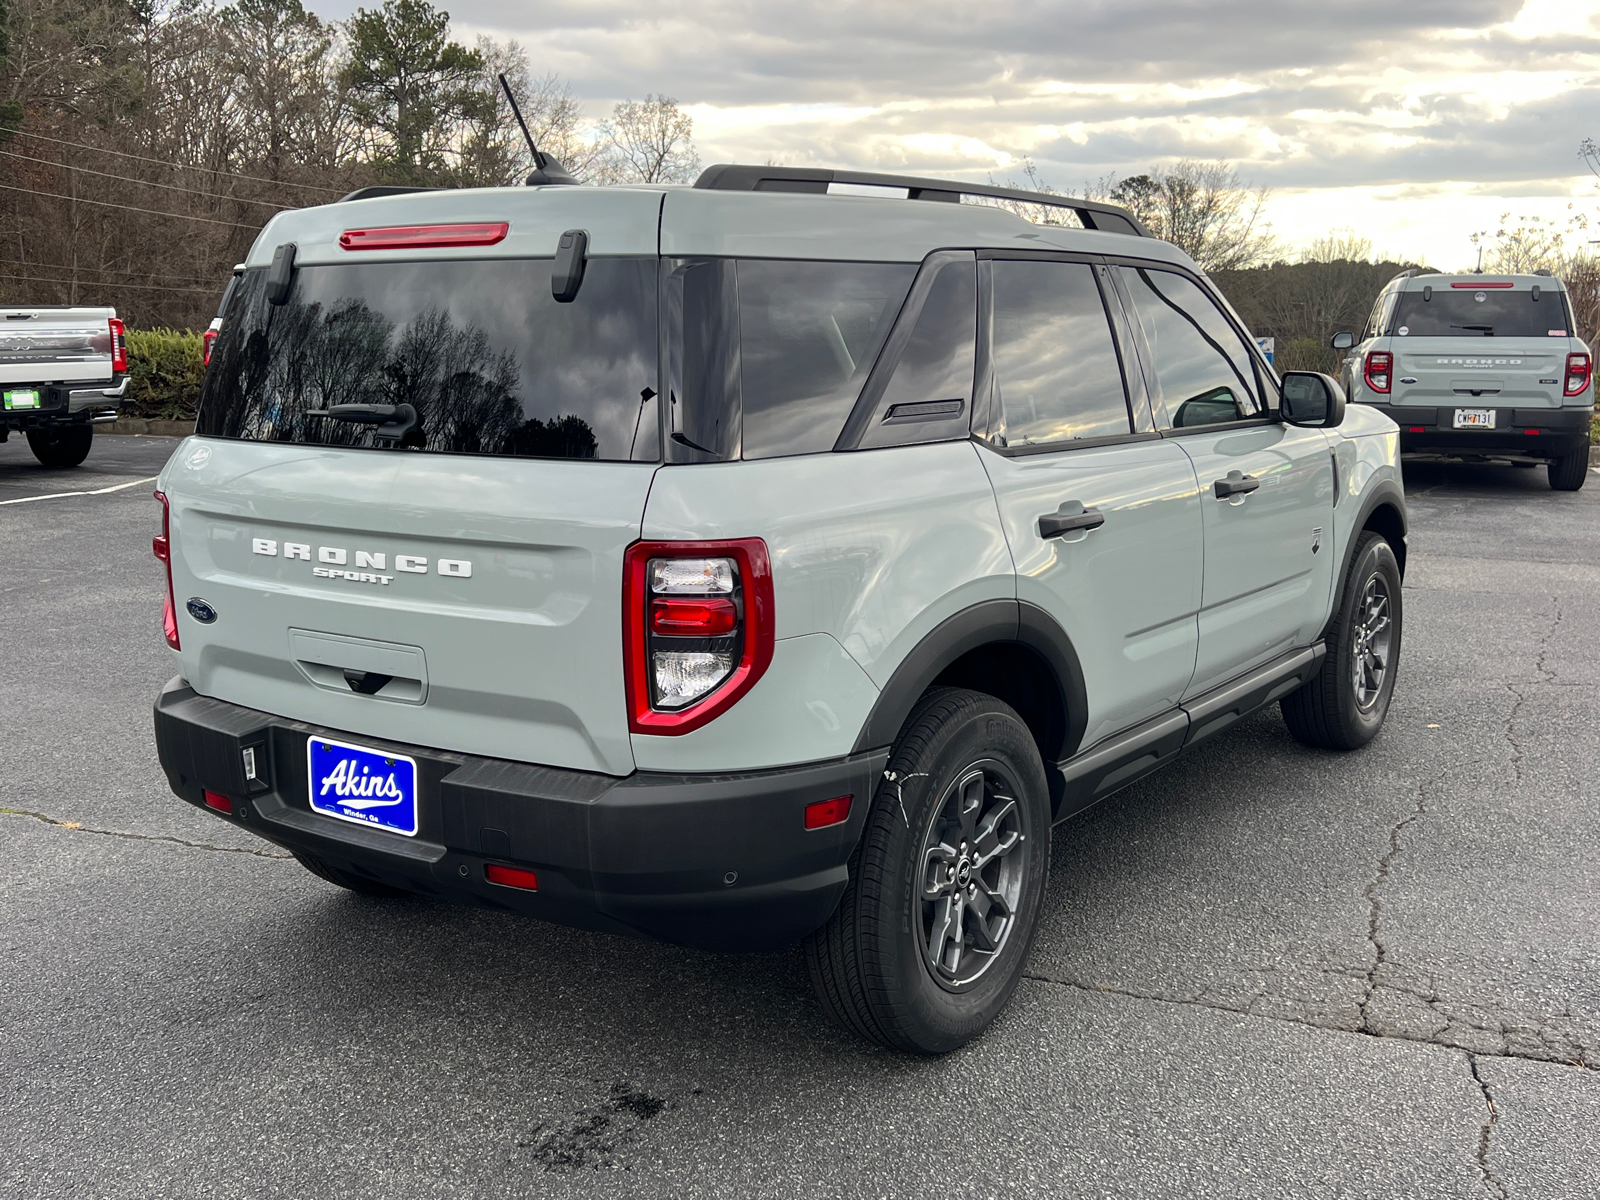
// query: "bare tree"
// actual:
[[494, 152], [647, 141], [1204, 208]]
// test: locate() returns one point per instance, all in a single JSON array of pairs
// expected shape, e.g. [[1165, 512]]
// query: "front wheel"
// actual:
[[1568, 473], [934, 928], [61, 445], [1343, 705]]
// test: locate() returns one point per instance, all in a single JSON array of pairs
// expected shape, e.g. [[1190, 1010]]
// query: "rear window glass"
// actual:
[[479, 348], [1479, 312]]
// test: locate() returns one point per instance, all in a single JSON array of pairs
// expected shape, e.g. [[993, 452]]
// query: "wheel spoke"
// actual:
[[945, 921], [938, 871], [971, 803]]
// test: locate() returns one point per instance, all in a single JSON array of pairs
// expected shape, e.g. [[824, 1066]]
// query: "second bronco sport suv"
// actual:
[[745, 563], [1478, 367]]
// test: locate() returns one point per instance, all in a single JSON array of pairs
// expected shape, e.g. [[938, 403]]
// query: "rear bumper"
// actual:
[[721, 862], [67, 402], [1539, 433]]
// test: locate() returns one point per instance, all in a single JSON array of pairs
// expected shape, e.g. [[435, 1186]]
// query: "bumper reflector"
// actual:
[[511, 877], [219, 802], [828, 812]]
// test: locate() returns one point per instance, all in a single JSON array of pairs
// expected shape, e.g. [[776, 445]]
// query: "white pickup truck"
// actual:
[[62, 370]]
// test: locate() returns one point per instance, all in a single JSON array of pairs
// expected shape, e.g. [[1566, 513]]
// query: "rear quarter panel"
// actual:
[[870, 551]]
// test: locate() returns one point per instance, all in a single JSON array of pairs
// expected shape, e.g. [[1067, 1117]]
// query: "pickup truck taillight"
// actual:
[[207, 340], [1579, 369], [1376, 371], [119, 346], [697, 630], [161, 545]]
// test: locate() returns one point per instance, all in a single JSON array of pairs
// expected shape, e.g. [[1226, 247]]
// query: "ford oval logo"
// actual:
[[201, 611]]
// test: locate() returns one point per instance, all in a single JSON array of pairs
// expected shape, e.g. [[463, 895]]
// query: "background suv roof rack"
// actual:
[[730, 177]]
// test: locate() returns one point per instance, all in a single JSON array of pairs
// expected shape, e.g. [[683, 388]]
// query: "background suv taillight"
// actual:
[[1376, 372], [697, 629], [161, 546], [208, 339], [1578, 370], [119, 346]]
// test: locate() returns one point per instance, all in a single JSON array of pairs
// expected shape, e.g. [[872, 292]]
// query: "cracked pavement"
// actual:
[[1266, 971]]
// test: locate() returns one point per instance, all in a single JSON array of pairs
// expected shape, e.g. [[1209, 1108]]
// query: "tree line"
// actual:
[[147, 141]]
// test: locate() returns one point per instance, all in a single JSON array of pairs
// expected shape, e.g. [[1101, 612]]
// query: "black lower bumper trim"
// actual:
[[716, 861], [1537, 433]]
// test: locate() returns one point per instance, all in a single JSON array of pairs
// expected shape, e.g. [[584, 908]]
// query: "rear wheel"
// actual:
[[61, 445], [1568, 473], [347, 879], [1343, 705], [933, 931]]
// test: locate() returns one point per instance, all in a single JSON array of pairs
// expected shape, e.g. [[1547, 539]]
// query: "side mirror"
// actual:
[[1343, 341], [280, 275], [1312, 400]]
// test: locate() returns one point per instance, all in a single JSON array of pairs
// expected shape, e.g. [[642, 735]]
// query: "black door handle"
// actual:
[[1070, 517], [1235, 485]]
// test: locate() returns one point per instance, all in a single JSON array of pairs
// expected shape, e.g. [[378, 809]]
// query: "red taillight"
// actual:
[[511, 877], [219, 802], [208, 340], [1472, 287], [119, 346], [828, 812], [412, 237], [697, 630], [1579, 368], [161, 546], [1376, 371], [1417, 429], [674, 616]]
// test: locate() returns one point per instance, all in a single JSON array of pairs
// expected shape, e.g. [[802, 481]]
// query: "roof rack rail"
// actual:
[[1408, 273], [383, 189], [730, 177]]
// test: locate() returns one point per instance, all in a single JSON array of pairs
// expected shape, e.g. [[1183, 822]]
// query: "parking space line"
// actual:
[[95, 492]]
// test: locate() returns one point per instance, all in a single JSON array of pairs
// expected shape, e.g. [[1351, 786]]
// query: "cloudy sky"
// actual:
[[1413, 122]]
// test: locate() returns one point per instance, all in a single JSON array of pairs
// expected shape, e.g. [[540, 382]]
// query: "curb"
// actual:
[[137, 427], [1594, 456]]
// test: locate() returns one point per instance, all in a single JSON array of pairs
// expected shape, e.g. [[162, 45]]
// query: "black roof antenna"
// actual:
[[546, 170]]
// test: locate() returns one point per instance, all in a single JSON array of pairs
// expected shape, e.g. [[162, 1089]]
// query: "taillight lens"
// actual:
[[697, 630], [1579, 369], [119, 346], [209, 339], [161, 546], [1376, 372]]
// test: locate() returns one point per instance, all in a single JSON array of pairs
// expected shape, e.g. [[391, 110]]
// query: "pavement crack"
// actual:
[[79, 827], [1249, 1010], [1380, 951], [1547, 677], [1491, 1181]]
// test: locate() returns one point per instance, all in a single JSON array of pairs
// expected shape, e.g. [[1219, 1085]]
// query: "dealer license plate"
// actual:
[[366, 786], [21, 398], [1474, 418]]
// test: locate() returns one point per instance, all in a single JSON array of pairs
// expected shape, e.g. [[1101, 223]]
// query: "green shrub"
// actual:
[[164, 369], [1302, 354]]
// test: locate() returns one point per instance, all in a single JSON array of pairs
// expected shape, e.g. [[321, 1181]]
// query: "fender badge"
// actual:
[[201, 611]]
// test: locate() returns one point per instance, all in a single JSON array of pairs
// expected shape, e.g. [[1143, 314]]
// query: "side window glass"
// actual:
[[929, 396], [1202, 366], [1375, 321], [808, 335], [1056, 368]]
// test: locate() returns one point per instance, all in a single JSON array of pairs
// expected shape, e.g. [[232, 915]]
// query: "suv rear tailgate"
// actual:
[[520, 648]]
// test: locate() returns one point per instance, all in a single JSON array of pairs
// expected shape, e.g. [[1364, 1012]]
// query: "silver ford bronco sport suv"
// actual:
[[742, 563], [1478, 367]]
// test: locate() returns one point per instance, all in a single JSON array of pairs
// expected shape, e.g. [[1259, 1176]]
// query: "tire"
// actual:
[[964, 780], [347, 879], [1329, 711], [1568, 473], [61, 445]]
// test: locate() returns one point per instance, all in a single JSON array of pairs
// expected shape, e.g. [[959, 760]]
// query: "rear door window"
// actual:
[[479, 348], [1056, 367], [1202, 365], [1479, 312]]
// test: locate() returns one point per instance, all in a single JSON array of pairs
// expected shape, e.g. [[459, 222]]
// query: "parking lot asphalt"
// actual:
[[1265, 972]]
